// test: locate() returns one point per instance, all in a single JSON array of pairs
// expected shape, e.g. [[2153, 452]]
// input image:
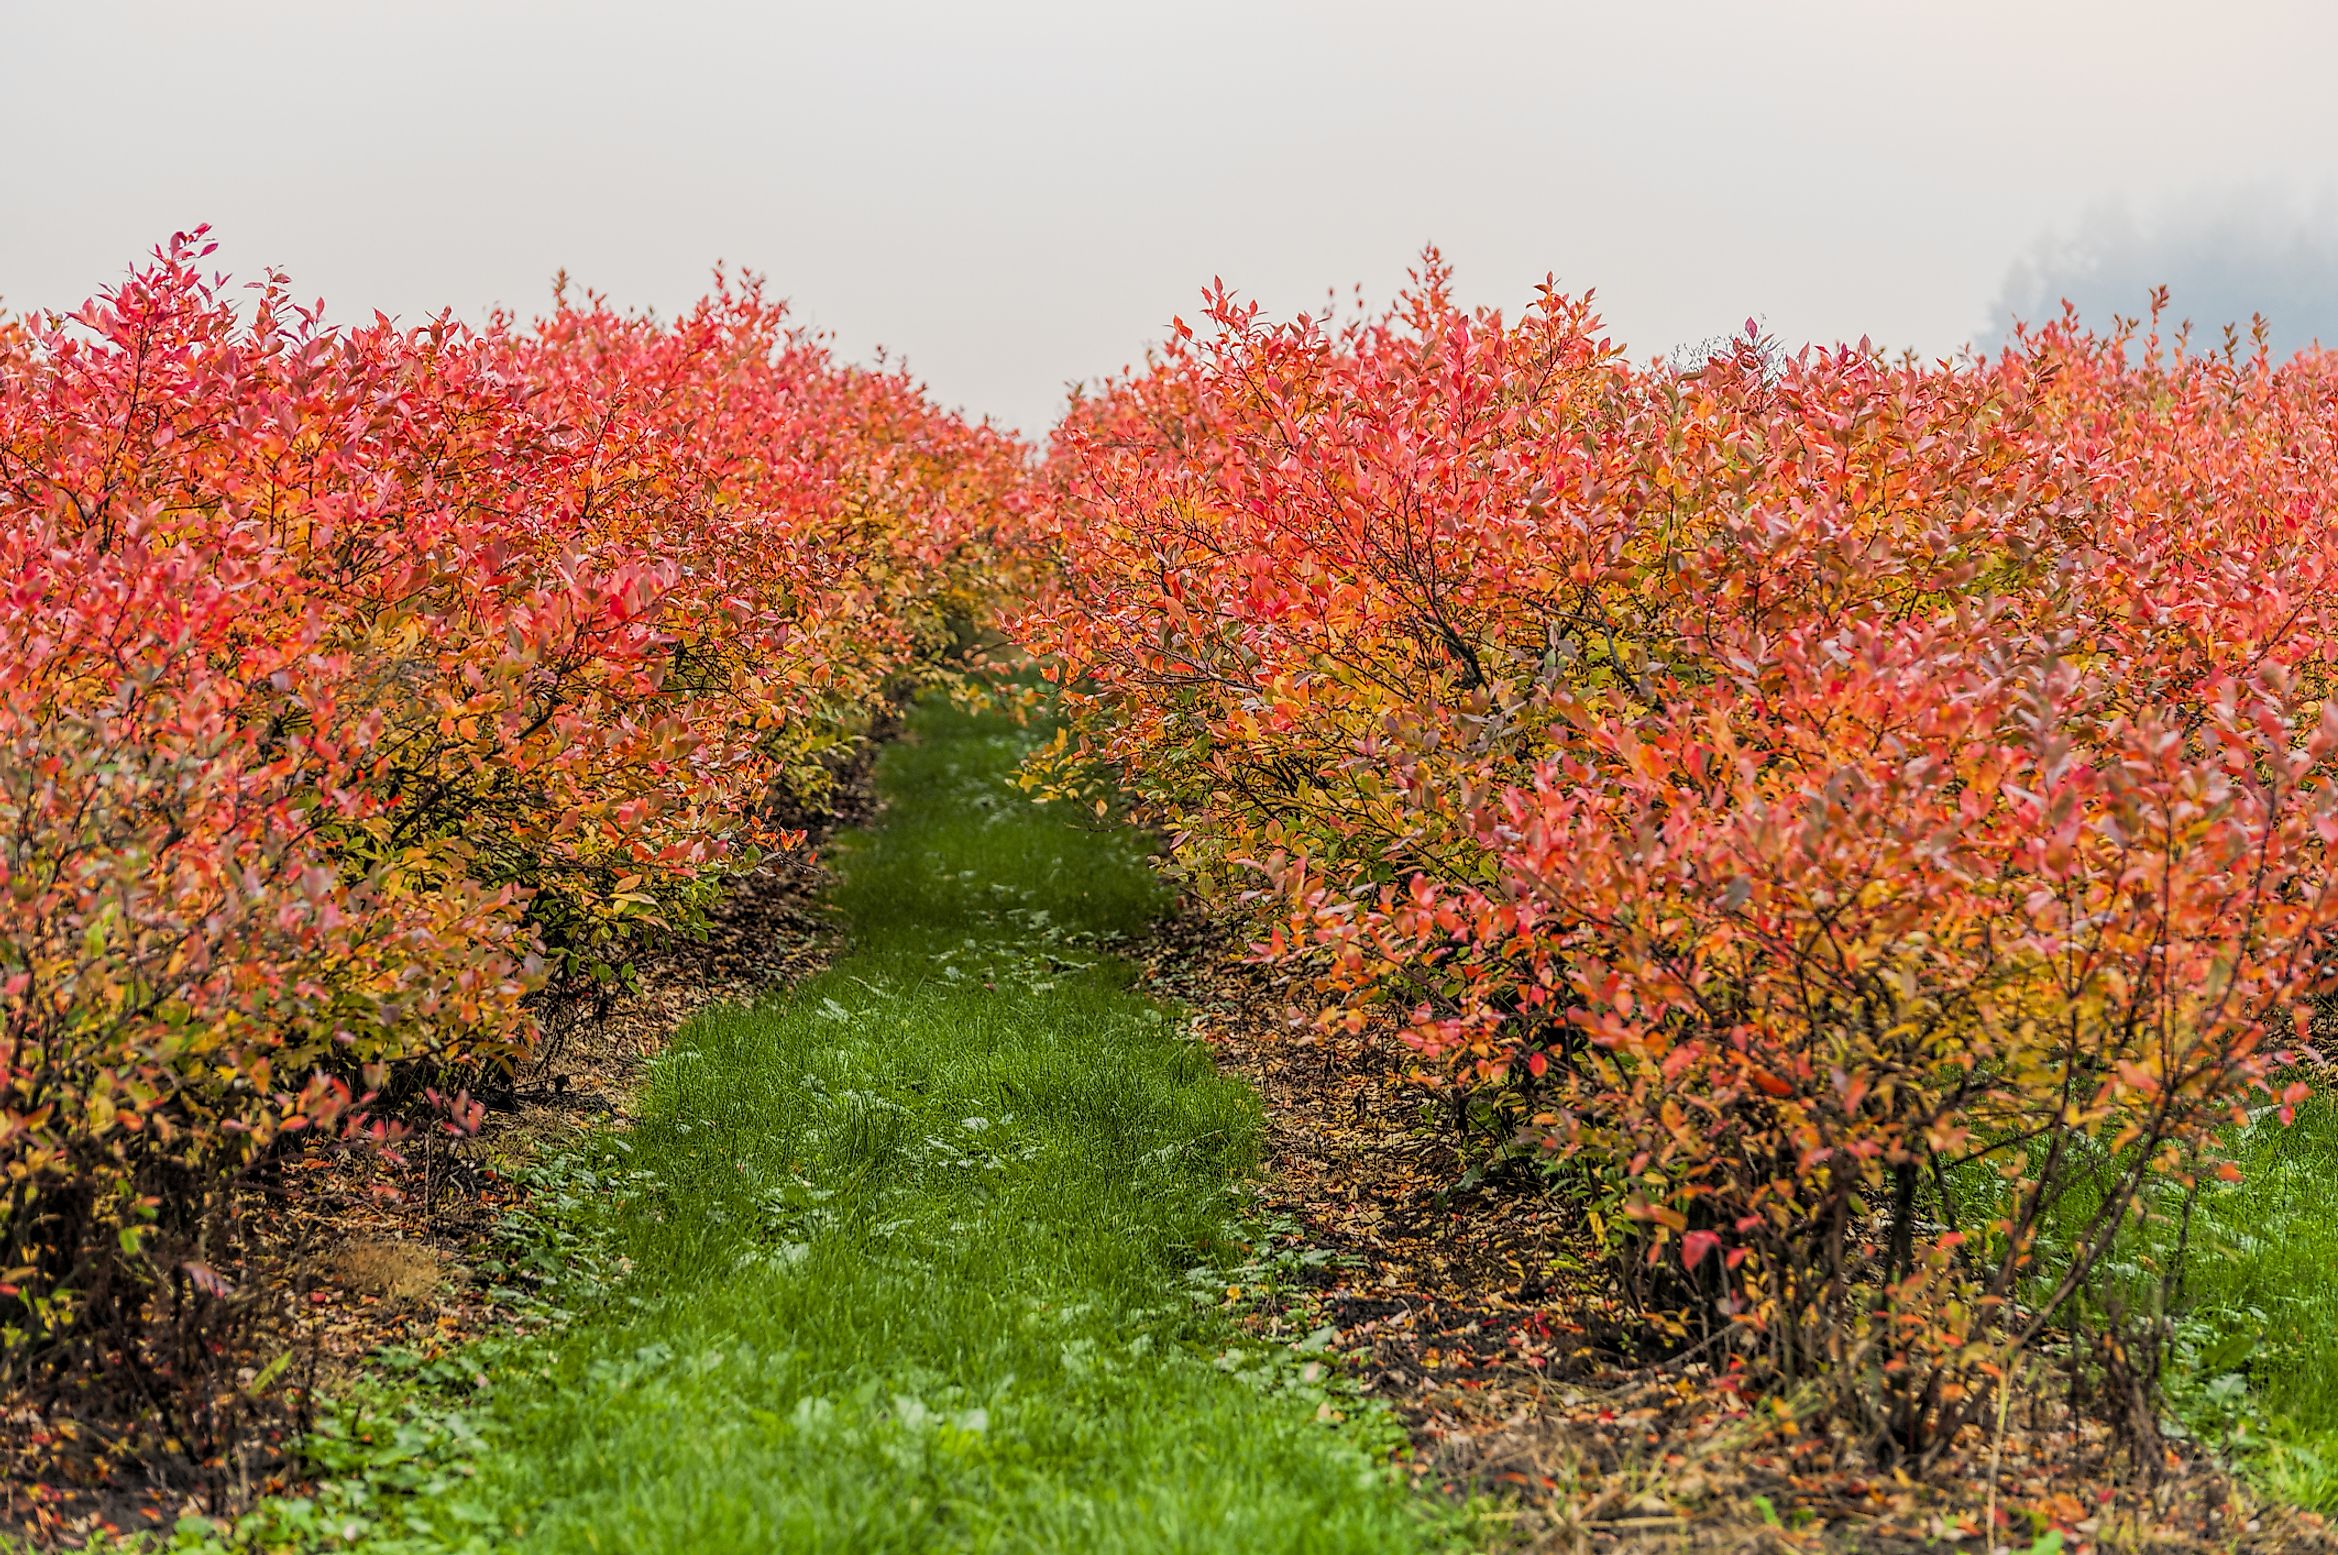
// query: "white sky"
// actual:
[[1019, 193]]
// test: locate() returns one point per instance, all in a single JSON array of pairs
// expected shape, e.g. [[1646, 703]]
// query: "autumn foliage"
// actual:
[[1847, 817], [1858, 823], [363, 687]]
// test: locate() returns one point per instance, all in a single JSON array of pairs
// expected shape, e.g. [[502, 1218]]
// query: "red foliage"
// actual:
[[354, 683], [1847, 813]]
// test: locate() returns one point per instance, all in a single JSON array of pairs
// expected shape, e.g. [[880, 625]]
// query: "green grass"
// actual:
[[2248, 1288], [2248, 1285], [930, 1253], [2256, 1316]]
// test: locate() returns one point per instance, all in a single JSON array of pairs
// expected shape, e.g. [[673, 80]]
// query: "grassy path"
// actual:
[[927, 1254]]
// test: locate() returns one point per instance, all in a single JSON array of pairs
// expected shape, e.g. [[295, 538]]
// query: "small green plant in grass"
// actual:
[[2240, 1278], [2254, 1363]]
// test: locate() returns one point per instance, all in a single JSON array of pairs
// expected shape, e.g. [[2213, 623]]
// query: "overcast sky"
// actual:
[[1020, 193]]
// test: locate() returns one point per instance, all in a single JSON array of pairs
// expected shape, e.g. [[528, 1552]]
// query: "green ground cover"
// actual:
[[931, 1252], [2255, 1362], [2244, 1276]]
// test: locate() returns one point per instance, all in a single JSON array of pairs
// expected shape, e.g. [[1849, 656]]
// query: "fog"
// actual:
[[1021, 194], [2232, 258]]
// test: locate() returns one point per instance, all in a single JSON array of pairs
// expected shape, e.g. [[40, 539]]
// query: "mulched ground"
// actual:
[[1470, 1305], [350, 1250], [1481, 1328]]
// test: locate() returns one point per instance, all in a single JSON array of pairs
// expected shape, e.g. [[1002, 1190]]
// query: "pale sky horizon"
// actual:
[[1017, 195]]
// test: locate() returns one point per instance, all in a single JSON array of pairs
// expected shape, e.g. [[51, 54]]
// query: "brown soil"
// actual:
[[1478, 1323], [1471, 1307], [347, 1250]]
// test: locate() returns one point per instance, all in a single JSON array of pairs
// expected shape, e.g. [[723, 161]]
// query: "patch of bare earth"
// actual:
[[345, 1250], [1470, 1305]]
